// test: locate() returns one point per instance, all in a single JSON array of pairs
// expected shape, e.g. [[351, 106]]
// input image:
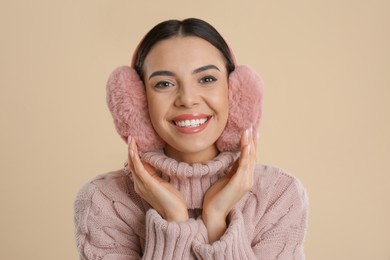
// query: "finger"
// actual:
[[250, 141], [133, 150], [130, 154], [251, 149], [149, 168], [245, 136], [248, 157], [254, 145], [245, 145], [244, 159], [256, 137], [234, 169], [137, 165]]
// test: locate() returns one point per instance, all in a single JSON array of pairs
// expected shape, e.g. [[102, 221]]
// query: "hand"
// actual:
[[224, 194], [161, 195]]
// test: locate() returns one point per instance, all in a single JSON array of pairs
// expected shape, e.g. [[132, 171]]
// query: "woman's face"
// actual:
[[186, 85]]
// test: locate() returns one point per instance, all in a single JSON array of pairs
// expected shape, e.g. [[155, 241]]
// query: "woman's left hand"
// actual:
[[224, 194]]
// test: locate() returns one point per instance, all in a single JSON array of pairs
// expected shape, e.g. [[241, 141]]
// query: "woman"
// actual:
[[191, 188]]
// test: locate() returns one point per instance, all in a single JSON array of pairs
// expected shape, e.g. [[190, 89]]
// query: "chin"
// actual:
[[193, 147]]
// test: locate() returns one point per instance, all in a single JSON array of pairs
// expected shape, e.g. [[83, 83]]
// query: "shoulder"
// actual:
[[276, 190], [114, 185], [270, 179], [107, 192]]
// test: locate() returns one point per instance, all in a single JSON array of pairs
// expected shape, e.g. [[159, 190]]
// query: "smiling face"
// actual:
[[186, 85]]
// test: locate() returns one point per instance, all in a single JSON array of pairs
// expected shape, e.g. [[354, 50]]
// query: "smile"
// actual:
[[191, 123]]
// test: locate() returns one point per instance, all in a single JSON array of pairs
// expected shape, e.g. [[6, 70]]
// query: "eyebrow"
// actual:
[[161, 73], [171, 74], [204, 68]]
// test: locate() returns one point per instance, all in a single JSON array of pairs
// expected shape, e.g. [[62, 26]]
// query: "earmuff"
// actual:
[[126, 99]]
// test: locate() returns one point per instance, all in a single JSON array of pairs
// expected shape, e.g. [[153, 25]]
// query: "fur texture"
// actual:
[[126, 100], [245, 96]]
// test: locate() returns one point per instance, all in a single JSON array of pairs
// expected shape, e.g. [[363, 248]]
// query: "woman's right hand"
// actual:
[[160, 194]]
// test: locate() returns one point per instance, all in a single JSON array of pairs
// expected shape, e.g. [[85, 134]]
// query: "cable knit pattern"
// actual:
[[113, 222]]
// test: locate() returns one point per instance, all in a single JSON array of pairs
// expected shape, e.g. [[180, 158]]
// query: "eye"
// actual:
[[208, 79], [163, 84]]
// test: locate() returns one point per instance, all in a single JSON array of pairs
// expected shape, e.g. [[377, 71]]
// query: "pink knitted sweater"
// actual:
[[113, 222]]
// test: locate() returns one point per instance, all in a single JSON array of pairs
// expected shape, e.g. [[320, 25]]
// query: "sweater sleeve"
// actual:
[[101, 231], [234, 244], [269, 227], [169, 240]]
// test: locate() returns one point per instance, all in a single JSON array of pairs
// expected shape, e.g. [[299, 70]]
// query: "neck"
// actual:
[[192, 157]]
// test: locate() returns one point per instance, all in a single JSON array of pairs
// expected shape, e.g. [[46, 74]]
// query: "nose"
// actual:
[[187, 96]]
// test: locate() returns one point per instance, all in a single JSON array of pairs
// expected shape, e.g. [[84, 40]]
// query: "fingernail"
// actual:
[[129, 139], [246, 135]]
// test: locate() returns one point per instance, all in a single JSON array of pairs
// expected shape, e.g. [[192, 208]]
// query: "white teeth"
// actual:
[[191, 123]]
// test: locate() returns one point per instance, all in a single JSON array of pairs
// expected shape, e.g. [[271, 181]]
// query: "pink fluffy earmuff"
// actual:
[[126, 99]]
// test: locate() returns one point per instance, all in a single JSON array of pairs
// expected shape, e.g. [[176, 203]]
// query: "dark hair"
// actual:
[[187, 27]]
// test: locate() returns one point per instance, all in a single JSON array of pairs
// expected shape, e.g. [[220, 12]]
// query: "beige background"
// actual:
[[326, 69]]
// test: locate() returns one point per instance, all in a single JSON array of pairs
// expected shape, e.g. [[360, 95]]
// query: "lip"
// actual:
[[189, 117], [191, 130]]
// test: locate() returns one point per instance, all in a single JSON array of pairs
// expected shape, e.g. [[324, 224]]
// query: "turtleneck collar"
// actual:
[[192, 180]]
